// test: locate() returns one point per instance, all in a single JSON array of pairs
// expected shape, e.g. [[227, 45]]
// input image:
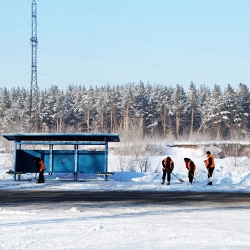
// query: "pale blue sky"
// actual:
[[94, 42]]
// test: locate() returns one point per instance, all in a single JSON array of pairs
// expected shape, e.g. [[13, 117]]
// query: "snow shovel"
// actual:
[[193, 177], [33, 178], [179, 179]]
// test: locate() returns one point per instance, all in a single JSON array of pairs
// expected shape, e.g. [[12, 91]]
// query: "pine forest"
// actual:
[[149, 110]]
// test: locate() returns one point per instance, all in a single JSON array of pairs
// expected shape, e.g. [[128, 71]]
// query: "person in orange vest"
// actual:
[[210, 165], [40, 168], [191, 169], [168, 166]]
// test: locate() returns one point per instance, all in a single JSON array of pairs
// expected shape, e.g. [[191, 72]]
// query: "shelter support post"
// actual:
[[50, 160], [17, 146], [106, 160], [76, 163]]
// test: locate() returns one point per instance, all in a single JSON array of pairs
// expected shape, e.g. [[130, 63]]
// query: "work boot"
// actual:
[[209, 183], [168, 183], [163, 181]]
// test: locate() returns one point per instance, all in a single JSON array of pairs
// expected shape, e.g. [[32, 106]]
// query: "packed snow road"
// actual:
[[28, 197]]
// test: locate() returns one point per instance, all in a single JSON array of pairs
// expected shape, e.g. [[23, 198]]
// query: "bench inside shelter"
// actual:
[[74, 161]]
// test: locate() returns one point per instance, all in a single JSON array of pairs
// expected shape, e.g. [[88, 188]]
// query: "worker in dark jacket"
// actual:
[[40, 169], [191, 168], [168, 166], [210, 165]]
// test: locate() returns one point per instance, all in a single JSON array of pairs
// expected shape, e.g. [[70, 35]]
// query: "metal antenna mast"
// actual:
[[34, 111]]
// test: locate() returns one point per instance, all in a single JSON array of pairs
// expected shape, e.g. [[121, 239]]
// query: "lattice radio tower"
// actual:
[[34, 108]]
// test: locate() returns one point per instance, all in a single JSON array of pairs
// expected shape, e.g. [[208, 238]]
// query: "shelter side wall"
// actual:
[[25, 162], [91, 162], [63, 161]]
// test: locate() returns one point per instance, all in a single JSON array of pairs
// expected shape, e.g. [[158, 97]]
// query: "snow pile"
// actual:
[[230, 174]]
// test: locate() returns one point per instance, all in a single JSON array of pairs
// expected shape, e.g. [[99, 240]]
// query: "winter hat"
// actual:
[[186, 159], [208, 152], [36, 159]]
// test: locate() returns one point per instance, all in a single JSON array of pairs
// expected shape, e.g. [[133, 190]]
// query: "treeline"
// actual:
[[145, 109]]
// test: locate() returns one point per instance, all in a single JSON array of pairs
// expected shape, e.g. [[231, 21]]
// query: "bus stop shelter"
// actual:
[[61, 161]]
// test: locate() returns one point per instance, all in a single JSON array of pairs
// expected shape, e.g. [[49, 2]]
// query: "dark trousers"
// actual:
[[168, 175], [41, 177], [210, 172], [190, 176]]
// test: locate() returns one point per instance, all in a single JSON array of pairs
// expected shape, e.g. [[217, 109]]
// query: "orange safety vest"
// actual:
[[188, 166], [165, 164], [207, 161], [42, 166]]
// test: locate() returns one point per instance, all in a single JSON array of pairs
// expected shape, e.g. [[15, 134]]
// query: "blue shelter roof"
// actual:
[[62, 137]]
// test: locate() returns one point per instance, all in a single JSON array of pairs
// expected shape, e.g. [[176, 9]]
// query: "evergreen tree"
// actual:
[[164, 107], [205, 115], [51, 109], [70, 99], [243, 97], [128, 111], [137, 108], [179, 108], [5, 108], [216, 112], [89, 112], [140, 105], [192, 104], [113, 104], [154, 93], [232, 111]]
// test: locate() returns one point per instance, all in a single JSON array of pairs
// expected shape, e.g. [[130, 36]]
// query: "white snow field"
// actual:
[[100, 225]]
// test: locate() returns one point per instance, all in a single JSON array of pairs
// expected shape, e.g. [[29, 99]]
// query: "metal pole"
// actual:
[[106, 160], [76, 163]]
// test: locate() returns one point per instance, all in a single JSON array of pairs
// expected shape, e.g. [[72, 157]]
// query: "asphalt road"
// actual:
[[27, 197]]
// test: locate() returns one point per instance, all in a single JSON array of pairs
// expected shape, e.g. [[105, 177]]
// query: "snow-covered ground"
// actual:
[[200, 225]]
